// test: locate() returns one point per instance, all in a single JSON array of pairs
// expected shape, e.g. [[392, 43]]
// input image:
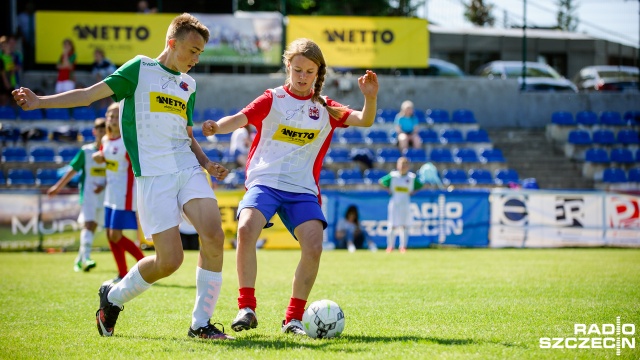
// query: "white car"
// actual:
[[539, 77]]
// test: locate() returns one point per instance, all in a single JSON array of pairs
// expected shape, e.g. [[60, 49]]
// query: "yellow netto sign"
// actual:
[[121, 35], [365, 42]]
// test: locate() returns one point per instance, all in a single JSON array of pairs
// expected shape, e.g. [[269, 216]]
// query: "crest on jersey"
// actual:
[[184, 86], [314, 113]]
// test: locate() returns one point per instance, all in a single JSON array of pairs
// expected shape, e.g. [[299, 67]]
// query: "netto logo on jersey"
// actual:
[[161, 102], [360, 36], [110, 32], [295, 136]]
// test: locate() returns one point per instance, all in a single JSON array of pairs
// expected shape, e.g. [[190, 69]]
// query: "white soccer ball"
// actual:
[[323, 319]]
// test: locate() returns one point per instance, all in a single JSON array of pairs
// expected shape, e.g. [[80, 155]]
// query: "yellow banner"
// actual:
[[121, 35], [365, 42]]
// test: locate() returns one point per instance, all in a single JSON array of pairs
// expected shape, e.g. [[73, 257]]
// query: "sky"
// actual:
[[614, 20]]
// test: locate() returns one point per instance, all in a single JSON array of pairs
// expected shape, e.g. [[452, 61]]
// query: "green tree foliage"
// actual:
[[567, 19], [335, 7], [479, 13]]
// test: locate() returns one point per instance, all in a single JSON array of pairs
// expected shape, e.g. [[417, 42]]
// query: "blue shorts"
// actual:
[[293, 208], [120, 219]]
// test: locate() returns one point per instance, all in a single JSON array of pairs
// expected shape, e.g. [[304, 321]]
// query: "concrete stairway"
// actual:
[[533, 156]]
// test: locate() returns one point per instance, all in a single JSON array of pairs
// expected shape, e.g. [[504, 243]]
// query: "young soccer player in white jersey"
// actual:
[[294, 128], [400, 183], [156, 106], [119, 200], [91, 184]]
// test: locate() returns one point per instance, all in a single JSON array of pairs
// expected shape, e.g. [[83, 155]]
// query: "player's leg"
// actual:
[[402, 230], [391, 238], [86, 243]]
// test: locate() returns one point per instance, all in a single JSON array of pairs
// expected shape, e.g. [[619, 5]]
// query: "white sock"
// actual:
[[403, 237], [129, 287], [86, 242], [391, 238], [208, 285]]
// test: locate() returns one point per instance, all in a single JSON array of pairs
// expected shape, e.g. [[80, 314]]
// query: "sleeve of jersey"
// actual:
[[259, 108], [190, 105], [385, 180], [77, 163], [338, 122], [123, 82], [416, 183]]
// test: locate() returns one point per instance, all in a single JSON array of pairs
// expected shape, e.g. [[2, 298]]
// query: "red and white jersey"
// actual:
[[120, 190], [293, 136]]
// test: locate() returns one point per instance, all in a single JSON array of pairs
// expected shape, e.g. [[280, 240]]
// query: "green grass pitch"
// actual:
[[425, 304]]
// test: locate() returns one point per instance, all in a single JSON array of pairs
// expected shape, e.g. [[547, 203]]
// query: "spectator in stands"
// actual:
[[239, 145], [92, 182], [143, 7], [7, 71], [66, 67], [401, 184], [406, 125], [349, 235], [295, 125], [100, 69], [11, 59]]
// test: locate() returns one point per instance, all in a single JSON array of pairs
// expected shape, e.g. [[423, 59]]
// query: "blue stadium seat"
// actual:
[[42, 154], [46, 177], [478, 136], [441, 155], [386, 115], [327, 177], [632, 117], [415, 155], [634, 174], [223, 138], [227, 156], [628, 137], [87, 135], [563, 118], [3, 179], [8, 133], [466, 155], [11, 153], [30, 114], [463, 116], [506, 176], [597, 155], [350, 177], [492, 155], [338, 155], [611, 118], [213, 114], [422, 117], [234, 110], [20, 177], [351, 136], [196, 116], [102, 112], [388, 155], [429, 136], [236, 177], [438, 116], [213, 154], [57, 114], [579, 137], [638, 156], [622, 156], [371, 176], [603, 137], [67, 153], [377, 136], [83, 113], [614, 175], [480, 177], [451, 136], [7, 113], [454, 177], [586, 118], [198, 135]]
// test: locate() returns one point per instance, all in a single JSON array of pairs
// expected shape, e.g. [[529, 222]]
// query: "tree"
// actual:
[[479, 13], [567, 20], [335, 7]]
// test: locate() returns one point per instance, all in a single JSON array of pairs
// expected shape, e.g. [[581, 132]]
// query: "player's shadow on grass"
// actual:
[[159, 284]]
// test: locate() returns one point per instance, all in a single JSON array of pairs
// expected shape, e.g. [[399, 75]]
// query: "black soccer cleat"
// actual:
[[107, 315], [245, 320], [209, 332]]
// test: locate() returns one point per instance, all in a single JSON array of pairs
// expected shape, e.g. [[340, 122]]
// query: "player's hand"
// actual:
[[53, 191], [368, 84], [217, 171], [98, 157], [26, 99], [97, 189], [210, 127]]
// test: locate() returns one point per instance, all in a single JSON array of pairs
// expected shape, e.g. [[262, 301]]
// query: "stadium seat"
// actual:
[[327, 177], [480, 177], [638, 156], [30, 114], [415, 155], [46, 177], [17, 154], [611, 118], [212, 114], [198, 135], [438, 116], [429, 136], [232, 111], [632, 117], [595, 161], [622, 156], [466, 155], [338, 155], [351, 136], [492, 156], [451, 136], [83, 113], [7, 113], [377, 136], [350, 177], [42, 154], [3, 179], [506, 176], [579, 137], [57, 114], [67, 153], [463, 116], [388, 155], [441, 155], [371, 176], [20, 177], [213, 154], [614, 175], [603, 137], [8, 133], [628, 137], [634, 174], [454, 177], [587, 118], [386, 115], [422, 117], [563, 118], [597, 155], [87, 135], [478, 136]]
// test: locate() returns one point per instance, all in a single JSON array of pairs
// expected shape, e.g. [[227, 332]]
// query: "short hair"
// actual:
[[185, 23], [100, 123], [406, 104]]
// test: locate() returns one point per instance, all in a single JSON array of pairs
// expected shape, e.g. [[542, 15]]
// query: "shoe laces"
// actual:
[[211, 329]]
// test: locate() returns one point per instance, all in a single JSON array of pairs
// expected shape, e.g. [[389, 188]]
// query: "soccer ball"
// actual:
[[323, 319]]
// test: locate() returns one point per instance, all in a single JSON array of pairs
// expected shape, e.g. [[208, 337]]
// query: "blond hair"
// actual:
[[311, 51], [185, 23]]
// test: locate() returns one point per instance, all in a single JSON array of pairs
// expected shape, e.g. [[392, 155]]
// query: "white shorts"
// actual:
[[92, 208], [65, 85], [161, 198], [398, 216]]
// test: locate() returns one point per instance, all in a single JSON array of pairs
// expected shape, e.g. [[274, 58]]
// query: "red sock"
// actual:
[[130, 247], [247, 298], [118, 255], [295, 309]]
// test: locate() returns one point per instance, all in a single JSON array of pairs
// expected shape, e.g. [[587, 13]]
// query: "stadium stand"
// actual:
[[42, 154], [451, 136], [454, 177], [480, 177], [57, 114], [611, 119], [67, 153], [327, 177], [506, 176], [20, 177], [376, 136], [371, 176], [351, 136], [429, 136], [14, 154], [603, 137], [441, 155], [30, 115], [596, 160], [46, 177], [83, 113], [415, 155], [350, 177], [7, 113], [388, 155], [628, 137], [586, 119], [577, 144]]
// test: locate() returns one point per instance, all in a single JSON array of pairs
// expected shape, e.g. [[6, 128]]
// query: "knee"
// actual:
[[169, 265], [245, 233], [314, 250], [212, 237]]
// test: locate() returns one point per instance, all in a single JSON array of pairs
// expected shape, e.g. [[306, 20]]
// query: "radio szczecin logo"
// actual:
[[616, 336]]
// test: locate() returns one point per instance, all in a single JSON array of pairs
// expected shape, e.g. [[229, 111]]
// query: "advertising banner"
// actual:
[[365, 42]]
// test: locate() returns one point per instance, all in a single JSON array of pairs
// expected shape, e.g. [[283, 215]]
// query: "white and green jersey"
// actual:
[[401, 187], [156, 106], [92, 174]]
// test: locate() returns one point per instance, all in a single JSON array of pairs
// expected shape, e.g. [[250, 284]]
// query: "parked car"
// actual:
[[539, 76], [439, 67], [607, 78]]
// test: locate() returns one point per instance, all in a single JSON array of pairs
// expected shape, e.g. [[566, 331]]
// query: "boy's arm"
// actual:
[[55, 189], [216, 170], [27, 100]]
